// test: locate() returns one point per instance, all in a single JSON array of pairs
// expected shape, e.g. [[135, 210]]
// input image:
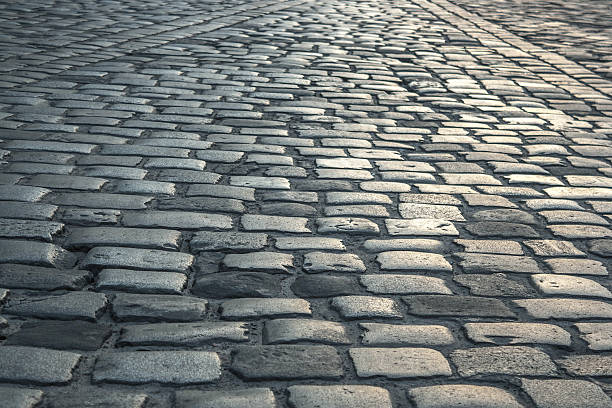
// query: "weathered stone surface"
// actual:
[[287, 362], [166, 367], [413, 261], [136, 258], [36, 365], [20, 397], [129, 237], [565, 309], [454, 305], [172, 308], [401, 362], [15, 276], [316, 262], [460, 395], [404, 284], [73, 335], [517, 333], [126, 280], [338, 396], [573, 266], [240, 398], [591, 365], [493, 263], [379, 334], [35, 253], [421, 226], [177, 219], [551, 284], [366, 307], [182, 334], [234, 241], [246, 308], [271, 262], [501, 229], [70, 306], [237, 285], [598, 335], [30, 229], [510, 360], [325, 286], [348, 225], [496, 284], [565, 394], [303, 330], [252, 222], [97, 397]]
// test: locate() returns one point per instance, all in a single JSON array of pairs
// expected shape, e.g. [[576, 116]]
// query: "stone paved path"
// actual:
[[302, 203]]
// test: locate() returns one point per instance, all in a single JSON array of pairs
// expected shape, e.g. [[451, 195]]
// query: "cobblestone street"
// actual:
[[305, 204]]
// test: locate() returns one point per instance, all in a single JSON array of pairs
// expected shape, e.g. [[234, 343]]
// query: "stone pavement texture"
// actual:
[[305, 203]]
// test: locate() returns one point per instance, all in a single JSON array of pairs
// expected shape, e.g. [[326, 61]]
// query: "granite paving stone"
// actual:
[[289, 203], [166, 367]]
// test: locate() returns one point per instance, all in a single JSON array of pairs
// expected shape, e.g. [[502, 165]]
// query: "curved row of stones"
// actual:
[[304, 204]]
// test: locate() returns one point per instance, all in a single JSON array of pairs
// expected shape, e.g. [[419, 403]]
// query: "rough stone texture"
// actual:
[[402, 362], [287, 362], [166, 367], [275, 173], [510, 360], [20, 397], [338, 396], [459, 395], [565, 394], [246, 398], [36, 365]]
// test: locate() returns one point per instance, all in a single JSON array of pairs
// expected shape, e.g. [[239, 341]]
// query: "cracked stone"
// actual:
[[138, 307]]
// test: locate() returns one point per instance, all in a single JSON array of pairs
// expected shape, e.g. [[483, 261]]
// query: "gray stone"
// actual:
[[29, 211], [490, 263], [247, 308], [177, 219], [36, 365], [235, 241], [572, 266], [402, 362], [30, 229], [22, 193], [141, 281], [421, 226], [589, 365], [131, 237], [271, 262], [501, 229], [136, 258], [496, 284], [182, 334], [413, 261], [20, 397], [173, 308], [252, 222], [553, 284], [552, 247], [75, 335], [517, 333], [237, 398], [316, 262], [438, 212], [296, 243], [462, 395], [304, 330], [165, 367], [338, 396], [404, 284], [324, 286], [70, 306], [237, 285], [508, 360], [97, 398], [35, 253], [598, 335], [287, 362], [415, 244], [454, 305], [15, 276], [565, 309], [490, 246], [90, 217], [565, 394], [601, 247], [379, 334], [366, 307], [347, 225]]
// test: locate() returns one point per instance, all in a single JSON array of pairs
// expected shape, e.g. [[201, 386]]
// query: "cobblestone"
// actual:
[[305, 203]]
